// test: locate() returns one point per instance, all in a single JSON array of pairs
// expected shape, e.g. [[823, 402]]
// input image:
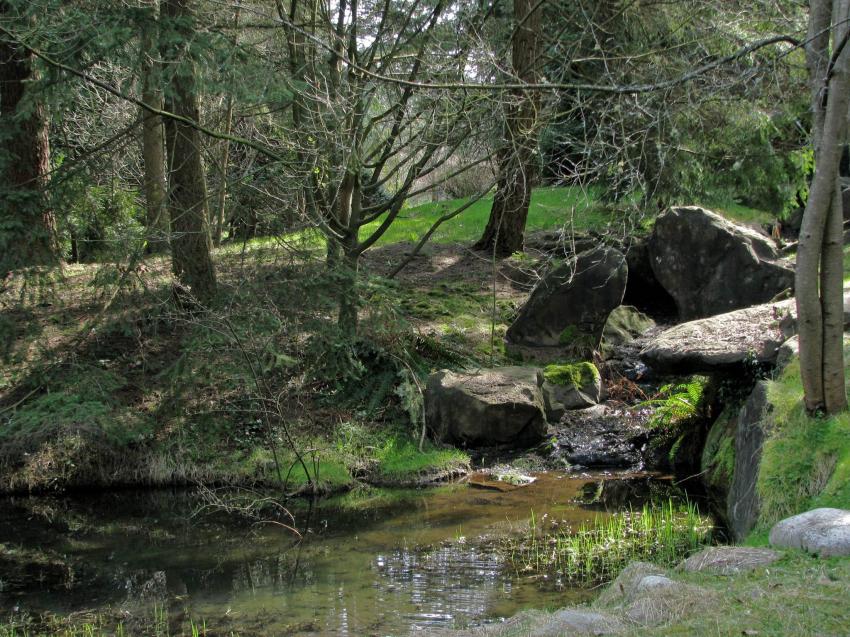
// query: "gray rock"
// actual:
[[788, 351], [722, 341], [533, 623], [578, 622], [742, 503], [566, 394], [655, 583], [624, 324], [648, 597], [643, 289], [825, 532], [565, 314], [711, 344], [502, 406], [729, 560], [625, 587], [710, 265]]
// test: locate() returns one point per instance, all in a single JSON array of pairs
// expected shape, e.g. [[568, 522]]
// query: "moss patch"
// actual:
[[805, 461], [572, 374], [718, 454]]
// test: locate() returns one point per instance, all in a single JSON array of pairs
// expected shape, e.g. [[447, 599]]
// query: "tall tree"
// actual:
[[517, 163], [29, 227], [819, 277], [187, 190], [153, 150]]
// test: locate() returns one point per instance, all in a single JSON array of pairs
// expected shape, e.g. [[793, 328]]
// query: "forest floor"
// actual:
[[104, 383]]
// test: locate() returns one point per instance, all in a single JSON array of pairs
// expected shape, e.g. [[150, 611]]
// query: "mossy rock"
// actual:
[[718, 454], [624, 324], [570, 386], [572, 374]]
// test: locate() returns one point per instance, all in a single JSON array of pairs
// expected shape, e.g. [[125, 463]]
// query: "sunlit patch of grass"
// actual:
[[598, 552], [400, 460], [738, 212], [551, 207]]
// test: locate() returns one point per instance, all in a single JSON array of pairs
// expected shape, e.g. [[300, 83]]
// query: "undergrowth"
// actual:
[[597, 552]]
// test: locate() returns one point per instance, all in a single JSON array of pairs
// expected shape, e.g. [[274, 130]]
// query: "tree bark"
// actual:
[[187, 192], [517, 165], [221, 204], [819, 275], [29, 232], [153, 151]]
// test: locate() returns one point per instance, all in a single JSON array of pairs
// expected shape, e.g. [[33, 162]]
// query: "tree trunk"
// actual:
[[517, 164], [819, 275], [349, 302], [29, 235], [153, 151], [221, 203], [187, 192]]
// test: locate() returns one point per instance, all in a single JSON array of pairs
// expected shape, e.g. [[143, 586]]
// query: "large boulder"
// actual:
[[501, 406], [825, 532], [710, 265], [754, 334], [567, 310]]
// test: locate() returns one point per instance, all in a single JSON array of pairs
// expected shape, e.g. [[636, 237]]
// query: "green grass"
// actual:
[[400, 460], [662, 534], [798, 595], [550, 207], [805, 461], [738, 212]]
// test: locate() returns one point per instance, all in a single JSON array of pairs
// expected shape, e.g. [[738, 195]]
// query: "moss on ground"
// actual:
[[805, 461], [572, 374]]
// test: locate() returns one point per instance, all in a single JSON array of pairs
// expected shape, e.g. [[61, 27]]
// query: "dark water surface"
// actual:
[[378, 562]]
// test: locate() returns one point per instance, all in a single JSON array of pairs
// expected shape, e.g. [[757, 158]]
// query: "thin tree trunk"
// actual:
[[153, 140], [225, 152], [832, 295], [30, 233], [818, 280], [517, 165], [187, 192], [349, 303]]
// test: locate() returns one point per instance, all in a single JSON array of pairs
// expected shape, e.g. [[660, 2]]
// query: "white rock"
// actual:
[[825, 532]]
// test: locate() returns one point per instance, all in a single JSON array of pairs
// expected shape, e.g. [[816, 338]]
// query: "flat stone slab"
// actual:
[[825, 532], [730, 560], [705, 345]]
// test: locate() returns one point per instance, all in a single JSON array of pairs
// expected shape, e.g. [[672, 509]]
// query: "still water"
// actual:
[[376, 562]]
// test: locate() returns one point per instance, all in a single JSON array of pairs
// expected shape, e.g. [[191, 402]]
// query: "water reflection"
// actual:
[[387, 564]]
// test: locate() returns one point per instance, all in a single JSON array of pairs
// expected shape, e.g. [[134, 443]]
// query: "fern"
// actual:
[[675, 403]]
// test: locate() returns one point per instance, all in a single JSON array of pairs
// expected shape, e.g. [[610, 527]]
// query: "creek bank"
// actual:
[[785, 596]]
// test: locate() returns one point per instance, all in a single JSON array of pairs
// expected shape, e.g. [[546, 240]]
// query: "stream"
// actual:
[[373, 562]]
